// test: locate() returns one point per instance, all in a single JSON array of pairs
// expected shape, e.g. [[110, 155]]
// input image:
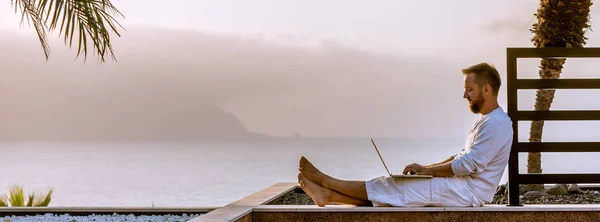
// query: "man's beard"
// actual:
[[476, 105]]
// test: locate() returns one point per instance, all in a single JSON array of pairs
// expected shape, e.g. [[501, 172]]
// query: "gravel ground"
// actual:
[[101, 217], [297, 197], [585, 197]]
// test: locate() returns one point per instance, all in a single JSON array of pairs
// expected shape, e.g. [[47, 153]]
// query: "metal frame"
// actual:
[[513, 85]]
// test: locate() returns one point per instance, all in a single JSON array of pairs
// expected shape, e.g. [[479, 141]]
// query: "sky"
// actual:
[[320, 68], [380, 26]]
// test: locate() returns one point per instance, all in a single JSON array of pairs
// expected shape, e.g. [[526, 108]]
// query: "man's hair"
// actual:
[[485, 74]]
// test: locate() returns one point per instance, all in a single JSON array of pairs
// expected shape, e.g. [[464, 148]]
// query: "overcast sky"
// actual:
[[373, 68], [380, 26]]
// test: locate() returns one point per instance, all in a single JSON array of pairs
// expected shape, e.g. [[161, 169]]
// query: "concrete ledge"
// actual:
[[428, 216], [4, 211], [491, 213], [254, 208], [487, 208], [241, 210]]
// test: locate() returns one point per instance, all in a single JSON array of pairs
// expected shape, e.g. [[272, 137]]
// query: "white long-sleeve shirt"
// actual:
[[483, 159]]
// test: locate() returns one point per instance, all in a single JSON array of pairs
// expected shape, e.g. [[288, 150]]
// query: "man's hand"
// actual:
[[416, 168]]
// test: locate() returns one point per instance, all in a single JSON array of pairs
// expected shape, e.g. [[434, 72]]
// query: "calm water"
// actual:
[[213, 173]]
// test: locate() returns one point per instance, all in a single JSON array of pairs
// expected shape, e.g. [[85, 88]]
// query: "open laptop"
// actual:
[[396, 175]]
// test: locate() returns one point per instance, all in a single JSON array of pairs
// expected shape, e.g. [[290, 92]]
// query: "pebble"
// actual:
[[558, 189], [534, 194], [585, 197], [574, 188], [101, 217]]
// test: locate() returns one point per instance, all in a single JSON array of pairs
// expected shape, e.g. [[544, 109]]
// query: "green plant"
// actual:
[[16, 198], [3, 202], [44, 201]]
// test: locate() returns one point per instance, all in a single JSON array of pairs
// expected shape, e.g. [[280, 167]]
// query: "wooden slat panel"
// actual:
[[558, 115], [591, 52], [558, 147], [558, 83], [513, 161], [558, 178], [513, 84]]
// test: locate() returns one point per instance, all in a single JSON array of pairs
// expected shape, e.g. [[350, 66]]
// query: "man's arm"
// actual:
[[442, 170], [440, 163], [488, 142]]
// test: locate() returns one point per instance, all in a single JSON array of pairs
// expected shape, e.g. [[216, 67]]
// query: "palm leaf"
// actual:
[[43, 200], [30, 200], [16, 198], [3, 202], [85, 20]]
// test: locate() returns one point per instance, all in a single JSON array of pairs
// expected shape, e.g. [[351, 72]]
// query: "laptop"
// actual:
[[396, 175]]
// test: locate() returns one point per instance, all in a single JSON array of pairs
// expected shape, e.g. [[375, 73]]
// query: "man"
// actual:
[[469, 178]]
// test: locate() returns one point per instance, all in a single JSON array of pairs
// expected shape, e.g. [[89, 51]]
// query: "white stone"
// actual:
[[574, 188]]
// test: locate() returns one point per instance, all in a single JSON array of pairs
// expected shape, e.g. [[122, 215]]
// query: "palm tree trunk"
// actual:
[[560, 24], [549, 69]]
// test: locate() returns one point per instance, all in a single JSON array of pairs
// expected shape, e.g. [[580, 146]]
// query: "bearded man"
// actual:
[[468, 178]]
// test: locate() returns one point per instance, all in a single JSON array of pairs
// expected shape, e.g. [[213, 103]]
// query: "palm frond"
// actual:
[[43, 200], [3, 202], [30, 200], [92, 20], [16, 198], [30, 14]]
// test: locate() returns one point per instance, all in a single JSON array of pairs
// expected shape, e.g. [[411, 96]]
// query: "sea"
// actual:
[[216, 173]]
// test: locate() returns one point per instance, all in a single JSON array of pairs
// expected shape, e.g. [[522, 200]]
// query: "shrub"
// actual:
[[16, 198]]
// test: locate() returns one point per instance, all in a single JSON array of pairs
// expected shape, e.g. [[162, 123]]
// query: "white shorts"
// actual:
[[419, 192]]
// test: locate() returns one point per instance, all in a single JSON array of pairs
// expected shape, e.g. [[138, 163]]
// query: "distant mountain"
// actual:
[[165, 79], [132, 100], [97, 120]]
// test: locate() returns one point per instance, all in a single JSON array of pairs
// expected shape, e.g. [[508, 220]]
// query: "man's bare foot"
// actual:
[[310, 172], [316, 192]]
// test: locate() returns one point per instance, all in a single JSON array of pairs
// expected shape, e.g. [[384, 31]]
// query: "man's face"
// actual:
[[473, 94]]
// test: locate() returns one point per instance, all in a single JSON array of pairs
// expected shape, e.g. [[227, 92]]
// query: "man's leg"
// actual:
[[354, 189], [323, 196]]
